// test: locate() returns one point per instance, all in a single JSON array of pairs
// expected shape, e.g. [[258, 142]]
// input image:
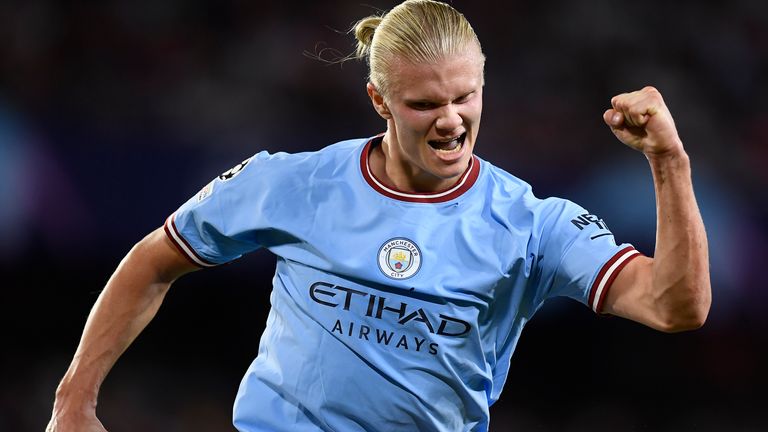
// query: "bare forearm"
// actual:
[[123, 309], [128, 303], [680, 276]]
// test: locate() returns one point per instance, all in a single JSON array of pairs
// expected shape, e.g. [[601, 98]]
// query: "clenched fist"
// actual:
[[641, 120]]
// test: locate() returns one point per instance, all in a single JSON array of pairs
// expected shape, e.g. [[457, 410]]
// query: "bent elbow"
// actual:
[[682, 325], [690, 316]]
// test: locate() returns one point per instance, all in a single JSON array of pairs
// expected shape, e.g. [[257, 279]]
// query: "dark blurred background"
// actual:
[[113, 113]]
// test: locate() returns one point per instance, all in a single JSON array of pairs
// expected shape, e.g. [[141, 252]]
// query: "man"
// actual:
[[407, 266]]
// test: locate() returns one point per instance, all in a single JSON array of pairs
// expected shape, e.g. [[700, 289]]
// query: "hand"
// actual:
[[641, 120], [81, 422]]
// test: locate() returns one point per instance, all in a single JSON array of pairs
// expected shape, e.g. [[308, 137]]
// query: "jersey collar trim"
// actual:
[[465, 182]]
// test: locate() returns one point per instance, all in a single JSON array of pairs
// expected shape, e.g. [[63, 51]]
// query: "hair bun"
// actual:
[[364, 30]]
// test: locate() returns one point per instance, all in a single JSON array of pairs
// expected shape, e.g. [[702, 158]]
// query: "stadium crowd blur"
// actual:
[[113, 113]]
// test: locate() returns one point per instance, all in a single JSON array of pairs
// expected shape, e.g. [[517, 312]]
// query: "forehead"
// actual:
[[447, 79]]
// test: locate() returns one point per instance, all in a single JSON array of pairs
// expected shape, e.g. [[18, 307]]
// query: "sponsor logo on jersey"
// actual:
[[587, 219], [405, 326], [205, 192], [235, 170], [399, 258]]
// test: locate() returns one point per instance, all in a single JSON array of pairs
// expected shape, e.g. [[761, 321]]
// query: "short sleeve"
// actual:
[[579, 256], [220, 223]]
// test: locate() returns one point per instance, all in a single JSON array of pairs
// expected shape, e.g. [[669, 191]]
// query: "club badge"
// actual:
[[399, 258]]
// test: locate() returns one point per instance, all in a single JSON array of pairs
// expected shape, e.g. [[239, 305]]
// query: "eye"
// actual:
[[422, 105], [463, 98]]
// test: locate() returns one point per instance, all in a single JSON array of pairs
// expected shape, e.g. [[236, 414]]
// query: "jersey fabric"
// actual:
[[390, 311]]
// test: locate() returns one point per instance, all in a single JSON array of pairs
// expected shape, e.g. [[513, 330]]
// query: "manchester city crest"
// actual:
[[399, 258]]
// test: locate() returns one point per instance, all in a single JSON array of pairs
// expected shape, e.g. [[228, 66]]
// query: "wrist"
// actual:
[[675, 157], [71, 396], [671, 166]]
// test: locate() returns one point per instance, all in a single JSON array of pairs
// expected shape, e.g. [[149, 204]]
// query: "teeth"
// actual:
[[453, 149], [448, 146], [449, 140]]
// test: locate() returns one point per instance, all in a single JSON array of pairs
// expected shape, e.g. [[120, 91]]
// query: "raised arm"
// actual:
[[671, 291], [128, 303]]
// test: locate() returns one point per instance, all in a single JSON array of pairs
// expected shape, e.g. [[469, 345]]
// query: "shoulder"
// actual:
[[501, 178], [507, 189], [336, 151], [275, 166], [516, 196]]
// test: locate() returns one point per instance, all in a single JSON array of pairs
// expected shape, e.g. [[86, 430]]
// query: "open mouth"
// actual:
[[450, 145]]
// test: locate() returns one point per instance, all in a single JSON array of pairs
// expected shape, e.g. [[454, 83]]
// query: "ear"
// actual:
[[378, 102]]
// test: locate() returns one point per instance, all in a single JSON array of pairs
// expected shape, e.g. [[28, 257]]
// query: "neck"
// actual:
[[397, 173]]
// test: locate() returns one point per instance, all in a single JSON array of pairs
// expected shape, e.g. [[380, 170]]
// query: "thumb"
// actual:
[[613, 118]]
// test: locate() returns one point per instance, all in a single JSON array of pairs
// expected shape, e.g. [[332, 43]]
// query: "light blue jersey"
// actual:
[[390, 311]]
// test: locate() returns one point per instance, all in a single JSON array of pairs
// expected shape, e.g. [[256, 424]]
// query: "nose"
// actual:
[[448, 119]]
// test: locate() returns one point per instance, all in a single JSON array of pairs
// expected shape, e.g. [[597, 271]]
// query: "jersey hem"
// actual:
[[607, 274]]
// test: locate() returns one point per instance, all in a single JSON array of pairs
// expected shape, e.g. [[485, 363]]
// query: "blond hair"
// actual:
[[418, 31]]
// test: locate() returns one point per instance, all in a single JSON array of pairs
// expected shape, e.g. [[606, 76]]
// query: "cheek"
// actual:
[[475, 109], [414, 124]]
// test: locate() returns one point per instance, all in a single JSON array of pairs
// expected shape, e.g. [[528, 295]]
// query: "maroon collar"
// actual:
[[462, 185]]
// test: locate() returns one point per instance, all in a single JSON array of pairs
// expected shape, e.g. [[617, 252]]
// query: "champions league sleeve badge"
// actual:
[[399, 258], [232, 172]]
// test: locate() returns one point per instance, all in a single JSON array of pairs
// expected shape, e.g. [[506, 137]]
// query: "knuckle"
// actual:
[[650, 89]]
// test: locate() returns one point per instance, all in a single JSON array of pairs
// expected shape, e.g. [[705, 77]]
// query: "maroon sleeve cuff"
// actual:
[[182, 245], [607, 274]]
